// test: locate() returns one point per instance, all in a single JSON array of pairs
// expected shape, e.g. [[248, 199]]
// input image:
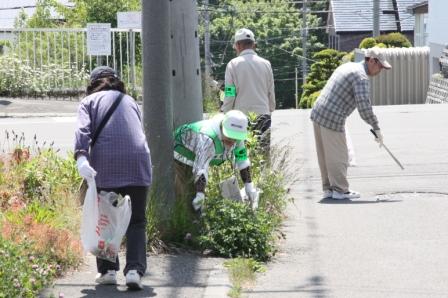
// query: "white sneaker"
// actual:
[[328, 194], [133, 280], [109, 278], [346, 195]]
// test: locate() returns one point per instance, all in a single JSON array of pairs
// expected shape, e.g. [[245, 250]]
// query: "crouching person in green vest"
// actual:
[[207, 143]]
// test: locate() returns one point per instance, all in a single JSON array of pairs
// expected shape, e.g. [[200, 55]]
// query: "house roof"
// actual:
[[357, 15], [418, 7], [10, 9]]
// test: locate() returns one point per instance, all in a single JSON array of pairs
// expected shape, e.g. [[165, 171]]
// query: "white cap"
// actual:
[[243, 34], [234, 125], [376, 53]]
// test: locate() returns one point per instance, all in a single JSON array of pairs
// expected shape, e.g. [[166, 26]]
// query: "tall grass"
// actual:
[[39, 216]]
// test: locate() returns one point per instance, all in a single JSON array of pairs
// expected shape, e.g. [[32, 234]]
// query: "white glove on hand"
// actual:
[[198, 201], [253, 194], [84, 168], [379, 137]]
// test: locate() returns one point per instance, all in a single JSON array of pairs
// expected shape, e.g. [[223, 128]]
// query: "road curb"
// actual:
[[35, 115], [218, 283]]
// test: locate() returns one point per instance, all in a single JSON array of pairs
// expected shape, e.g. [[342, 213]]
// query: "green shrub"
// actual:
[[394, 40], [367, 43], [47, 174], [223, 220], [38, 201], [18, 78], [22, 274], [233, 229], [350, 57]]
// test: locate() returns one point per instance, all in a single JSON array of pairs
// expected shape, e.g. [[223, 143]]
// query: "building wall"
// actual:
[[421, 30], [437, 27]]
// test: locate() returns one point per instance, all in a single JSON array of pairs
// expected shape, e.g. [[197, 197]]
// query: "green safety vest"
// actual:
[[202, 127]]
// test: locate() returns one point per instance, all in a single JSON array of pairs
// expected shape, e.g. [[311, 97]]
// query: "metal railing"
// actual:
[[43, 49], [438, 89]]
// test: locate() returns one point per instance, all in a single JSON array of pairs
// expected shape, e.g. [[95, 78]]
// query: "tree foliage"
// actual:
[[277, 26], [98, 11], [326, 62]]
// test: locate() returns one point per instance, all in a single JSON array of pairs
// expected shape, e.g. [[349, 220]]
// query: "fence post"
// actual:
[[132, 56]]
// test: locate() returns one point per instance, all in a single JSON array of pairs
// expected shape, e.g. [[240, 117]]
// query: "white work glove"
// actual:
[[84, 168], [379, 137], [253, 194], [198, 201]]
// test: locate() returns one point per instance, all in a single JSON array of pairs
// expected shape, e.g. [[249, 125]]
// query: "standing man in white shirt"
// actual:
[[249, 84]]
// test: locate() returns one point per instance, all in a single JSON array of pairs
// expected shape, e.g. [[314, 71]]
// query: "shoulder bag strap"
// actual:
[[109, 113]]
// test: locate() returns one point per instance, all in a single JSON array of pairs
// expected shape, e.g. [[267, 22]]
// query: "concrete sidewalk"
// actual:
[[176, 275]]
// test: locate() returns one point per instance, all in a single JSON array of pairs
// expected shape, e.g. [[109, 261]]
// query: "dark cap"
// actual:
[[102, 72]]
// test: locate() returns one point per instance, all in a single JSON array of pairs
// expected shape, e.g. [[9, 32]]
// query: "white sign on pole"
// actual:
[[129, 20], [98, 39]]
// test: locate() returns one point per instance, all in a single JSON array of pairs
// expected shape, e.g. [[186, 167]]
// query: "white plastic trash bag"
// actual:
[[230, 189], [105, 219], [350, 149]]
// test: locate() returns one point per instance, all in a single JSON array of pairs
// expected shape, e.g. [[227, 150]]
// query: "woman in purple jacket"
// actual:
[[119, 161]]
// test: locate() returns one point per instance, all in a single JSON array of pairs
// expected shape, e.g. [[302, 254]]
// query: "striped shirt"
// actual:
[[120, 155], [203, 147], [347, 89]]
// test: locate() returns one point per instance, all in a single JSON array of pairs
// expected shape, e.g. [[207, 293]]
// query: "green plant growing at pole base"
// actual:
[[229, 228], [233, 229]]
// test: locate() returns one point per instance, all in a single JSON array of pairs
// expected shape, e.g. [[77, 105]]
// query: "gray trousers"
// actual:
[[135, 235], [332, 155]]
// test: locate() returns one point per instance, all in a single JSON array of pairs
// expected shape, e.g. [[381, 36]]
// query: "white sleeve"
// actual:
[[204, 151], [228, 102]]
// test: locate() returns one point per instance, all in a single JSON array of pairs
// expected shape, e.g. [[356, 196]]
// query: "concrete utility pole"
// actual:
[[157, 100], [304, 41], [207, 55], [186, 71], [376, 18]]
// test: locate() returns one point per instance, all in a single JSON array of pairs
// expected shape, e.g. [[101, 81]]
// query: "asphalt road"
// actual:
[[38, 132], [390, 243]]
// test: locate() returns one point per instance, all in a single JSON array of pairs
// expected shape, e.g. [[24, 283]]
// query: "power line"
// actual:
[[18, 7]]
